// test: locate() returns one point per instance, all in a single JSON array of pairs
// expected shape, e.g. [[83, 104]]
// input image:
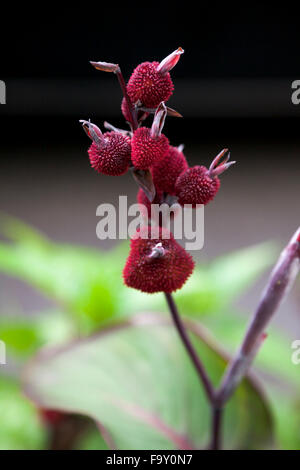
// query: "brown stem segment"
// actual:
[[190, 349], [132, 112], [217, 414], [281, 280]]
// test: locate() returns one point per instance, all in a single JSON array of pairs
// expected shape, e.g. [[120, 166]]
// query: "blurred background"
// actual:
[[233, 87]]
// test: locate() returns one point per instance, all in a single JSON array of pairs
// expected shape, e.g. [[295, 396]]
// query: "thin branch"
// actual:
[[131, 110], [190, 349], [281, 280]]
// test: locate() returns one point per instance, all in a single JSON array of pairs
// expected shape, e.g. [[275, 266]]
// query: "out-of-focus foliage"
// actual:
[[21, 427], [86, 285], [139, 382]]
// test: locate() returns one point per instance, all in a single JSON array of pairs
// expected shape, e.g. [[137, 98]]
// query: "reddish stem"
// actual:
[[132, 111], [190, 348]]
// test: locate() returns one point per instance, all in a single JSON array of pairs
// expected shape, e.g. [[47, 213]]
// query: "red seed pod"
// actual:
[[157, 265], [195, 186], [146, 149], [111, 155], [150, 83], [149, 87], [166, 170], [150, 145], [199, 185]]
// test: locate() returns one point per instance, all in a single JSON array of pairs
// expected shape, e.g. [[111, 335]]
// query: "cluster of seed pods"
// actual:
[[157, 264]]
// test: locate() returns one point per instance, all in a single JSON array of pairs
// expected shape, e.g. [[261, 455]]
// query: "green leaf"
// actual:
[[20, 427], [19, 335], [80, 280], [24, 335], [234, 272], [138, 381]]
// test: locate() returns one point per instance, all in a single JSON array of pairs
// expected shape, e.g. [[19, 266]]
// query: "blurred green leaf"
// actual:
[[139, 383], [287, 420], [92, 440], [24, 335], [20, 427], [81, 280], [19, 335], [88, 283]]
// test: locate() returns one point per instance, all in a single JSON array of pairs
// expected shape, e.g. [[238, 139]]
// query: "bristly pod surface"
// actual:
[[157, 264], [150, 82], [199, 185], [150, 145], [166, 170], [110, 152]]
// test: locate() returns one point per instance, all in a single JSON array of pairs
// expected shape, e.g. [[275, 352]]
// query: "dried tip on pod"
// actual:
[[92, 131], [158, 120], [170, 111], [110, 152], [218, 165], [105, 66], [158, 251], [170, 61]]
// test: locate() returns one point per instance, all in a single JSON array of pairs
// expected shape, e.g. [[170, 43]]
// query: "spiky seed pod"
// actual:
[[150, 82], [199, 185], [148, 86], [195, 186], [157, 265], [111, 155], [166, 170], [147, 149]]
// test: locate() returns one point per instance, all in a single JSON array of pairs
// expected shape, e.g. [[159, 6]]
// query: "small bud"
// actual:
[[159, 120], [170, 111], [170, 61], [92, 131], [110, 127], [216, 168], [105, 66], [145, 182]]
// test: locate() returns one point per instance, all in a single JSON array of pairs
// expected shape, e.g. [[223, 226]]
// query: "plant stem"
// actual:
[[217, 414], [190, 348], [281, 280], [132, 112]]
